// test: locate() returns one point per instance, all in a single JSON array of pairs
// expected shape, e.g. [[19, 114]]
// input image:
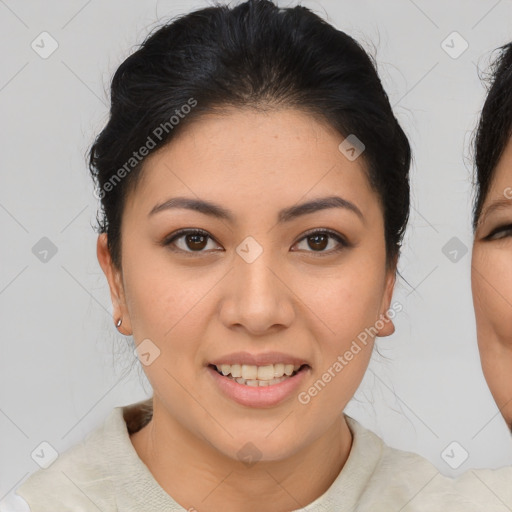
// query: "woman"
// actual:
[[492, 250], [254, 190], [491, 270]]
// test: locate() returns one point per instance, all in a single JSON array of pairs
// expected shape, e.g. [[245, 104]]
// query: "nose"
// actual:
[[257, 297]]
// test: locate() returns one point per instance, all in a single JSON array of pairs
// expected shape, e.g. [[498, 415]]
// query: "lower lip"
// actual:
[[255, 396]]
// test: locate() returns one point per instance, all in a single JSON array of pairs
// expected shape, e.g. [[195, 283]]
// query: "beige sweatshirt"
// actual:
[[104, 473]]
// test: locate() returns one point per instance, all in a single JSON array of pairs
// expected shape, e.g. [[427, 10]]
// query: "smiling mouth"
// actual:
[[258, 376]]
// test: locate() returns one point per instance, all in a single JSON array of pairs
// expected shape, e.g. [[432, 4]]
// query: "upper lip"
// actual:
[[262, 359]]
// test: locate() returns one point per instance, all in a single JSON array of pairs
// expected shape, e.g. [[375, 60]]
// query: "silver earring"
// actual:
[[119, 322]]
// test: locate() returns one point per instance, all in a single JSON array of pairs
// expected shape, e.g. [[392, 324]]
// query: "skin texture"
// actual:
[[198, 307], [491, 278]]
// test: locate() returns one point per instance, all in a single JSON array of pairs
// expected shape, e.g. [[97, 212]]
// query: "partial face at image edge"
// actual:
[[491, 277]]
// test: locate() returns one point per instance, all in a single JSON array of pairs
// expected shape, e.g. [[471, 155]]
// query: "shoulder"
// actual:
[[491, 489], [405, 481], [79, 478], [389, 462]]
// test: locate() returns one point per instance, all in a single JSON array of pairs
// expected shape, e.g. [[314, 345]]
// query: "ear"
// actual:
[[115, 283], [389, 327]]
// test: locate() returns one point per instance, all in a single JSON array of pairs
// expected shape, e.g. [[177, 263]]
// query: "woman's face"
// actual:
[[257, 288], [492, 285]]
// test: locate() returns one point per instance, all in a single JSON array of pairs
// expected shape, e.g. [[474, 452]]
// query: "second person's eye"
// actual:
[[500, 232]]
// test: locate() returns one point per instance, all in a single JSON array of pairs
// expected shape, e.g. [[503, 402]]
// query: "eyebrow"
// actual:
[[284, 215], [497, 205]]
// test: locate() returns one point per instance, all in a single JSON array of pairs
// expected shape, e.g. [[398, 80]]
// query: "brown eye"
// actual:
[[195, 242], [188, 240], [319, 240]]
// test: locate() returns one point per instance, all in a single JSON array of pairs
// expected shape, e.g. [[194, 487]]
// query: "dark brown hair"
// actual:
[[253, 55], [494, 128]]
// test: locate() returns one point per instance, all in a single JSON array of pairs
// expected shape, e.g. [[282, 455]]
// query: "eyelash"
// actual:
[[168, 241], [499, 229]]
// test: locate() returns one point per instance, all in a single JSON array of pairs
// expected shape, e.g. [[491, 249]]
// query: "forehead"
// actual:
[[282, 156], [499, 196], [503, 171]]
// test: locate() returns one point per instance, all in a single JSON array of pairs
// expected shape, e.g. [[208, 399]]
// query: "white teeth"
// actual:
[[236, 370], [278, 370], [251, 374], [266, 372], [257, 383]]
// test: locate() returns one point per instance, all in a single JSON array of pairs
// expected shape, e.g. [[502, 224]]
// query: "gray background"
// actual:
[[63, 366]]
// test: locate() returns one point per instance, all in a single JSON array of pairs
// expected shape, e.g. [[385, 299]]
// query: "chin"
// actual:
[[259, 448]]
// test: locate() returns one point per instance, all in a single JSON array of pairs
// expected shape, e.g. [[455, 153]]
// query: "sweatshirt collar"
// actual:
[[136, 489]]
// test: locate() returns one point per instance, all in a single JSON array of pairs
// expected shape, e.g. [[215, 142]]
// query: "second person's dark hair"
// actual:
[[254, 55], [495, 126]]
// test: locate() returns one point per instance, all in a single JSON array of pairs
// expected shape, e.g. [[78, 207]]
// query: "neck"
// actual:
[[210, 481]]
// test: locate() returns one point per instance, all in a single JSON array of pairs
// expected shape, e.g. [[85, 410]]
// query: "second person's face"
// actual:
[[491, 278]]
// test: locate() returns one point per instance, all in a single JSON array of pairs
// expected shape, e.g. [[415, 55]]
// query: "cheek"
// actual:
[[492, 293], [348, 299], [165, 302], [345, 306]]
